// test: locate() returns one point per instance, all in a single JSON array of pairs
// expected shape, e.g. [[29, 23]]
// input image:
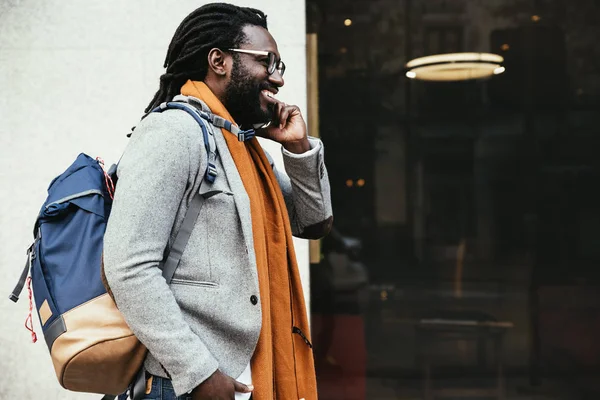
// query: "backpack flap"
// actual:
[[69, 249], [83, 174]]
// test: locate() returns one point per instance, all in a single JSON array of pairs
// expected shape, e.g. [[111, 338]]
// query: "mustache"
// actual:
[[268, 86]]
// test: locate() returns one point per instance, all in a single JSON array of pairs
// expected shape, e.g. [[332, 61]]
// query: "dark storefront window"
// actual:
[[465, 256]]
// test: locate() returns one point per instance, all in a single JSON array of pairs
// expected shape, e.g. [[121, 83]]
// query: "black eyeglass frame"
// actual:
[[275, 63]]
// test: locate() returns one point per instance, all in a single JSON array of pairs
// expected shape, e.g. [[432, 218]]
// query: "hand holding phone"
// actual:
[[288, 128]]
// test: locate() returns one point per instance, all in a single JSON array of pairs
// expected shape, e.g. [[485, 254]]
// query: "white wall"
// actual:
[[74, 77]]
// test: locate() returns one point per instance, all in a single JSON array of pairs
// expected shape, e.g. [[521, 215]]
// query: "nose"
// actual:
[[276, 79]]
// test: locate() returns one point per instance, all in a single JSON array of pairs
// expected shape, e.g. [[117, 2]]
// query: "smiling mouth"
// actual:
[[270, 96]]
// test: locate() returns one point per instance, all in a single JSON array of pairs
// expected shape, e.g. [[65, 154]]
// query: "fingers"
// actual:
[[279, 106], [241, 388], [284, 112]]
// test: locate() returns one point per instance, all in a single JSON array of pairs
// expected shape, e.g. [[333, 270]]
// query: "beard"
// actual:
[[243, 97]]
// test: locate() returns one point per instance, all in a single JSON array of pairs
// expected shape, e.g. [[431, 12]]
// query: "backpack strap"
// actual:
[[170, 264], [223, 123], [209, 139], [185, 231], [216, 120], [14, 296]]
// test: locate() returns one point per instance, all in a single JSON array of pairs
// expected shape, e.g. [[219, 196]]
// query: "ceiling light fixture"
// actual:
[[455, 67]]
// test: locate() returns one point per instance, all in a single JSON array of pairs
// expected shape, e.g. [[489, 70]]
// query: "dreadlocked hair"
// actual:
[[215, 25]]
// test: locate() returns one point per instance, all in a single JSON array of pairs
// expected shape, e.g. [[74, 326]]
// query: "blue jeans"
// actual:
[[162, 389]]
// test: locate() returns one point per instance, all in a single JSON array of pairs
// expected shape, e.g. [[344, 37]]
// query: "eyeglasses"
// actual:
[[274, 63]]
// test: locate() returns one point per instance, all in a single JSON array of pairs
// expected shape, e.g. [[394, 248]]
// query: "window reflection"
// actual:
[[463, 263]]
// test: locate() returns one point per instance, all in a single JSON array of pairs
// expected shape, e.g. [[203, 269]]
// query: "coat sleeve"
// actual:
[[157, 172], [306, 190]]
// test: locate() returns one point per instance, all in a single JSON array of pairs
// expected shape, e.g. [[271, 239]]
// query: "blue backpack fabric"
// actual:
[[65, 258], [72, 222]]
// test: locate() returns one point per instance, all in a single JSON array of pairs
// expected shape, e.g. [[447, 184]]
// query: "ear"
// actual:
[[219, 62]]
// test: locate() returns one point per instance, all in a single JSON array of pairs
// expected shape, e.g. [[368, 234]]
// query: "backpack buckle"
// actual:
[[246, 135], [211, 172]]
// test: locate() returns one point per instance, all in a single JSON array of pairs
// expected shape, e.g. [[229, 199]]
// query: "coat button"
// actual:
[[253, 300]]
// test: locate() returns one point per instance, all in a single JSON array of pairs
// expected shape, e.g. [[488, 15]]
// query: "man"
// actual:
[[232, 324]]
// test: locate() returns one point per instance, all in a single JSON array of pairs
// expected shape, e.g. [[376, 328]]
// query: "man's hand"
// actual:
[[288, 128], [219, 387]]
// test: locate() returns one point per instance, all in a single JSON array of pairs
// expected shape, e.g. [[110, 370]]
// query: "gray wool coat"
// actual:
[[207, 319]]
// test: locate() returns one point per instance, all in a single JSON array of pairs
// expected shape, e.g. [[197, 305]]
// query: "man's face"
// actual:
[[250, 91]]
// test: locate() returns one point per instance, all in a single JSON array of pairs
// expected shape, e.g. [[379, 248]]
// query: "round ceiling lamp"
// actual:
[[455, 67]]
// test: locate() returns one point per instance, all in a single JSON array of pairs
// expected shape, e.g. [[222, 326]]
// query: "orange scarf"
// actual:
[[283, 364]]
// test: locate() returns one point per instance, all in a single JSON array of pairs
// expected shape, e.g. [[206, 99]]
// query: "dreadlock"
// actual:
[[216, 25]]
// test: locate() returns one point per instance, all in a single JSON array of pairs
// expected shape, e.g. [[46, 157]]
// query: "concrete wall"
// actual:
[[74, 77]]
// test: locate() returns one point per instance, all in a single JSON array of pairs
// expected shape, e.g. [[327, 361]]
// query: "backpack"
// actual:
[[92, 348]]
